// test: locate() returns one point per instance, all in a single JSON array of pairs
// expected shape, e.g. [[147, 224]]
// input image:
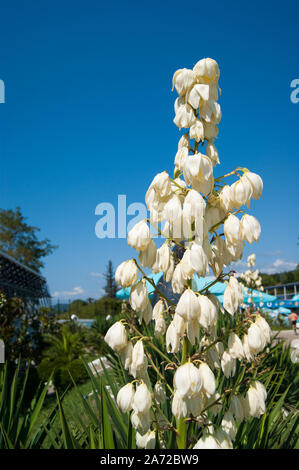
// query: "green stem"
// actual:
[[182, 425]]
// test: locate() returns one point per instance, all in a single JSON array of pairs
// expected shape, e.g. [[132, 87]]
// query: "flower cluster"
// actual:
[[251, 279], [199, 219]]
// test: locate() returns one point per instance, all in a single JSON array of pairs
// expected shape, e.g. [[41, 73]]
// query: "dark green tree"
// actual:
[[19, 240], [110, 286]]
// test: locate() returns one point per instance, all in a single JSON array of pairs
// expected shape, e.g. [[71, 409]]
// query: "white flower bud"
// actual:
[[163, 258], [194, 206], [179, 406], [187, 380], [184, 116], [126, 274], [199, 260], [141, 421], [241, 192], [197, 131], [142, 399], [180, 157], [186, 266], [207, 441], [236, 407], [208, 379], [235, 347], [233, 296], [211, 130], [207, 71], [228, 425], [225, 198], [250, 228], [265, 328], [147, 257], [147, 441], [251, 260], [183, 79], [172, 209], [178, 280], [184, 141], [179, 324], [232, 229], [172, 339], [254, 403], [116, 336], [207, 312], [223, 439], [138, 296], [160, 326], [139, 359], [256, 339], [197, 168], [212, 153], [188, 306], [126, 355], [256, 183], [159, 393], [125, 398], [247, 352], [228, 365], [198, 94], [139, 236]]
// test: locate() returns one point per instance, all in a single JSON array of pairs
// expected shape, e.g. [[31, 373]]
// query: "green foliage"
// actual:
[[21, 330], [277, 428], [62, 357], [280, 278], [17, 419], [110, 286], [104, 306], [19, 240]]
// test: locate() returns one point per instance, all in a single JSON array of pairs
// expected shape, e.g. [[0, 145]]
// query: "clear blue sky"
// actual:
[[89, 110]]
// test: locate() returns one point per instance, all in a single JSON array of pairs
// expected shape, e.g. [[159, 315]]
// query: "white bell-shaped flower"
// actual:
[[228, 365], [142, 399], [116, 337], [188, 306], [187, 380], [208, 379], [250, 229], [138, 296], [147, 441], [256, 184], [179, 406], [126, 274], [139, 236], [125, 398]]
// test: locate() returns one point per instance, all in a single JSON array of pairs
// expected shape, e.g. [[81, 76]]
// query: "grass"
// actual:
[[72, 406]]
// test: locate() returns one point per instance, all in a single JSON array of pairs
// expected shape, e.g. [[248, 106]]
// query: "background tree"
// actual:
[[19, 240], [111, 286]]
